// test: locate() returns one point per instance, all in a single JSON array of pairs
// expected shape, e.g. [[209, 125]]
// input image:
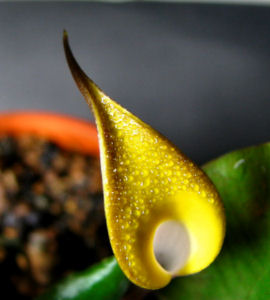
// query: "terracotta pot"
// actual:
[[68, 132]]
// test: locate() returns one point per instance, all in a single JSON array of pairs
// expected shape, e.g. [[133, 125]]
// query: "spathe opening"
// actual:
[[171, 246]]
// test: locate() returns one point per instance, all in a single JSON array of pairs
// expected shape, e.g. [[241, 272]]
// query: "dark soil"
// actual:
[[51, 215]]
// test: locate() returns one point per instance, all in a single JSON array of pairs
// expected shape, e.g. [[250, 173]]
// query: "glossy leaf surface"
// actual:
[[104, 281]]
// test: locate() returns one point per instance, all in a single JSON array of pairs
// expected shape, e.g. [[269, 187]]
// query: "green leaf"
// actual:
[[103, 281], [242, 270]]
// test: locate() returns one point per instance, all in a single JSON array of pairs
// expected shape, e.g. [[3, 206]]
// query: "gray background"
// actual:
[[198, 73]]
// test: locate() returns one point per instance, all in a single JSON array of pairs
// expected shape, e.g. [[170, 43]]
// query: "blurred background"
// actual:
[[198, 73]]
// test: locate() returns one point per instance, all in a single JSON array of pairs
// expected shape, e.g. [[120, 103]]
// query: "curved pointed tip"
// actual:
[[65, 34], [65, 39], [72, 63], [88, 88], [78, 74]]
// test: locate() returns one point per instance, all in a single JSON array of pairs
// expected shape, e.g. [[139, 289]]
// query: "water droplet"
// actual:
[[127, 237], [137, 213]]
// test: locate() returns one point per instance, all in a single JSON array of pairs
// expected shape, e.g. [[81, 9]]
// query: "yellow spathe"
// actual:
[[148, 181]]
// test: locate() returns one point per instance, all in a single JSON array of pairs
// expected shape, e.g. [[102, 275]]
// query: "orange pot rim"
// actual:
[[66, 131]]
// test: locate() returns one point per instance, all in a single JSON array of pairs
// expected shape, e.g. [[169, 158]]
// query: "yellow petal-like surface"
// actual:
[[148, 181]]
